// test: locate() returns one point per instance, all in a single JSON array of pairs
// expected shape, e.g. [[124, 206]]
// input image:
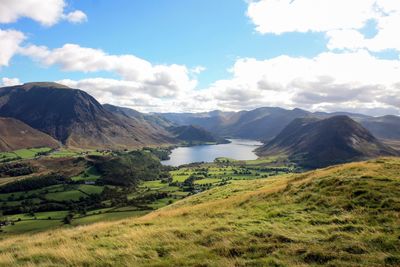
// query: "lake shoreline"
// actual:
[[238, 149]]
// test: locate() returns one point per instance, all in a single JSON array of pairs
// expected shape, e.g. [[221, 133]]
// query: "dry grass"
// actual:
[[340, 216]]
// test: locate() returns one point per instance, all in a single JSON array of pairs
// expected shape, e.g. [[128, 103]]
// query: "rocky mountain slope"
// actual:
[[75, 118]]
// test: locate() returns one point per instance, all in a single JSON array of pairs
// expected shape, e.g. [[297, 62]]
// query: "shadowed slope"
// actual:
[[15, 135], [74, 117], [317, 143]]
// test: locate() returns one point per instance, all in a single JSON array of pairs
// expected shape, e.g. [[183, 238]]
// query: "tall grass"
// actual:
[[347, 215]]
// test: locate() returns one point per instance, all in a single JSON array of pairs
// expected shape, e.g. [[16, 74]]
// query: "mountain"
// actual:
[[316, 143], [185, 133], [346, 215], [15, 135], [262, 123], [385, 127], [194, 134], [152, 119], [265, 123], [75, 118]]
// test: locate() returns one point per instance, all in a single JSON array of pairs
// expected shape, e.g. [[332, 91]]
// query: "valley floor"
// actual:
[[347, 215]]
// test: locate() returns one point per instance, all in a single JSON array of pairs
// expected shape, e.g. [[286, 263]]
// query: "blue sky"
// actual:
[[243, 48], [209, 33]]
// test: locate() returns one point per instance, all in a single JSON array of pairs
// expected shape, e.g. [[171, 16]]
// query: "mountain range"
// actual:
[[267, 122], [77, 120], [50, 114]]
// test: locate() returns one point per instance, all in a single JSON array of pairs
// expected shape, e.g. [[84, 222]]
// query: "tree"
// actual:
[[68, 219]]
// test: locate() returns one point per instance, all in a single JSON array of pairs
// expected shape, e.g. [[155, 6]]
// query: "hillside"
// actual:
[[152, 119], [16, 135], [386, 127], [75, 118], [340, 216], [317, 143], [194, 134]]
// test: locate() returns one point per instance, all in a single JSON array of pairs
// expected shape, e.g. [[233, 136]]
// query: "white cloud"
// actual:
[[128, 94], [137, 74], [47, 12], [76, 17], [9, 43], [329, 81], [280, 16], [198, 69], [9, 81], [342, 20], [353, 81]]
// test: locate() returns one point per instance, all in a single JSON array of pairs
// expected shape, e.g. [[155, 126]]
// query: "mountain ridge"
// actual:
[[265, 123], [74, 117]]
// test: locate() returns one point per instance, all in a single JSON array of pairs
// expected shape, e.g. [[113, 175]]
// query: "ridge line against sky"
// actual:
[[327, 55]]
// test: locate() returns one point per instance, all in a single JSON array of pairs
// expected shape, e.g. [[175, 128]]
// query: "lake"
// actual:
[[239, 149]]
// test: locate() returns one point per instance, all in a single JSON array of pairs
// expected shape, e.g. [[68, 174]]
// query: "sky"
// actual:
[[193, 56]]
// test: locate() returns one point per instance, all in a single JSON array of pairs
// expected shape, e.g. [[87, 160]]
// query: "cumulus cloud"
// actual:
[[137, 75], [9, 43], [329, 81], [352, 81], [129, 94], [198, 69], [9, 81], [76, 17], [342, 20], [47, 12]]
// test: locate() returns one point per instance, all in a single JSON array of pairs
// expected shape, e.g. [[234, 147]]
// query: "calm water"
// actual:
[[239, 149]]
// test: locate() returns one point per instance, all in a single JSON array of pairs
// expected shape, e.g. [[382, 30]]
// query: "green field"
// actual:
[[73, 195], [153, 184], [64, 154], [76, 194], [91, 189], [208, 181], [23, 154], [90, 174]]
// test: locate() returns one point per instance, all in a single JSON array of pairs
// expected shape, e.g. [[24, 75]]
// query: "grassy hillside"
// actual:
[[346, 215]]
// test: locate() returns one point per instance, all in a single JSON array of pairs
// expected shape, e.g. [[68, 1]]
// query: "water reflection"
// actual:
[[239, 149]]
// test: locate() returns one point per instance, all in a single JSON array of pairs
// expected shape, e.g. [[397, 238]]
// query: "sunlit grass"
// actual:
[[340, 216]]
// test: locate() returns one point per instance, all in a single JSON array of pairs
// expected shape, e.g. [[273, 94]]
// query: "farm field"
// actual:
[[23, 154], [86, 198]]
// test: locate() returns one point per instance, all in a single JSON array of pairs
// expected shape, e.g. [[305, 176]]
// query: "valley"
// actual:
[[108, 185], [89, 193], [249, 133]]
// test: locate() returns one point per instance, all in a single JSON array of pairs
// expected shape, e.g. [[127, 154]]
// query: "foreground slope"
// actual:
[[15, 135], [340, 216], [318, 143], [74, 117]]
